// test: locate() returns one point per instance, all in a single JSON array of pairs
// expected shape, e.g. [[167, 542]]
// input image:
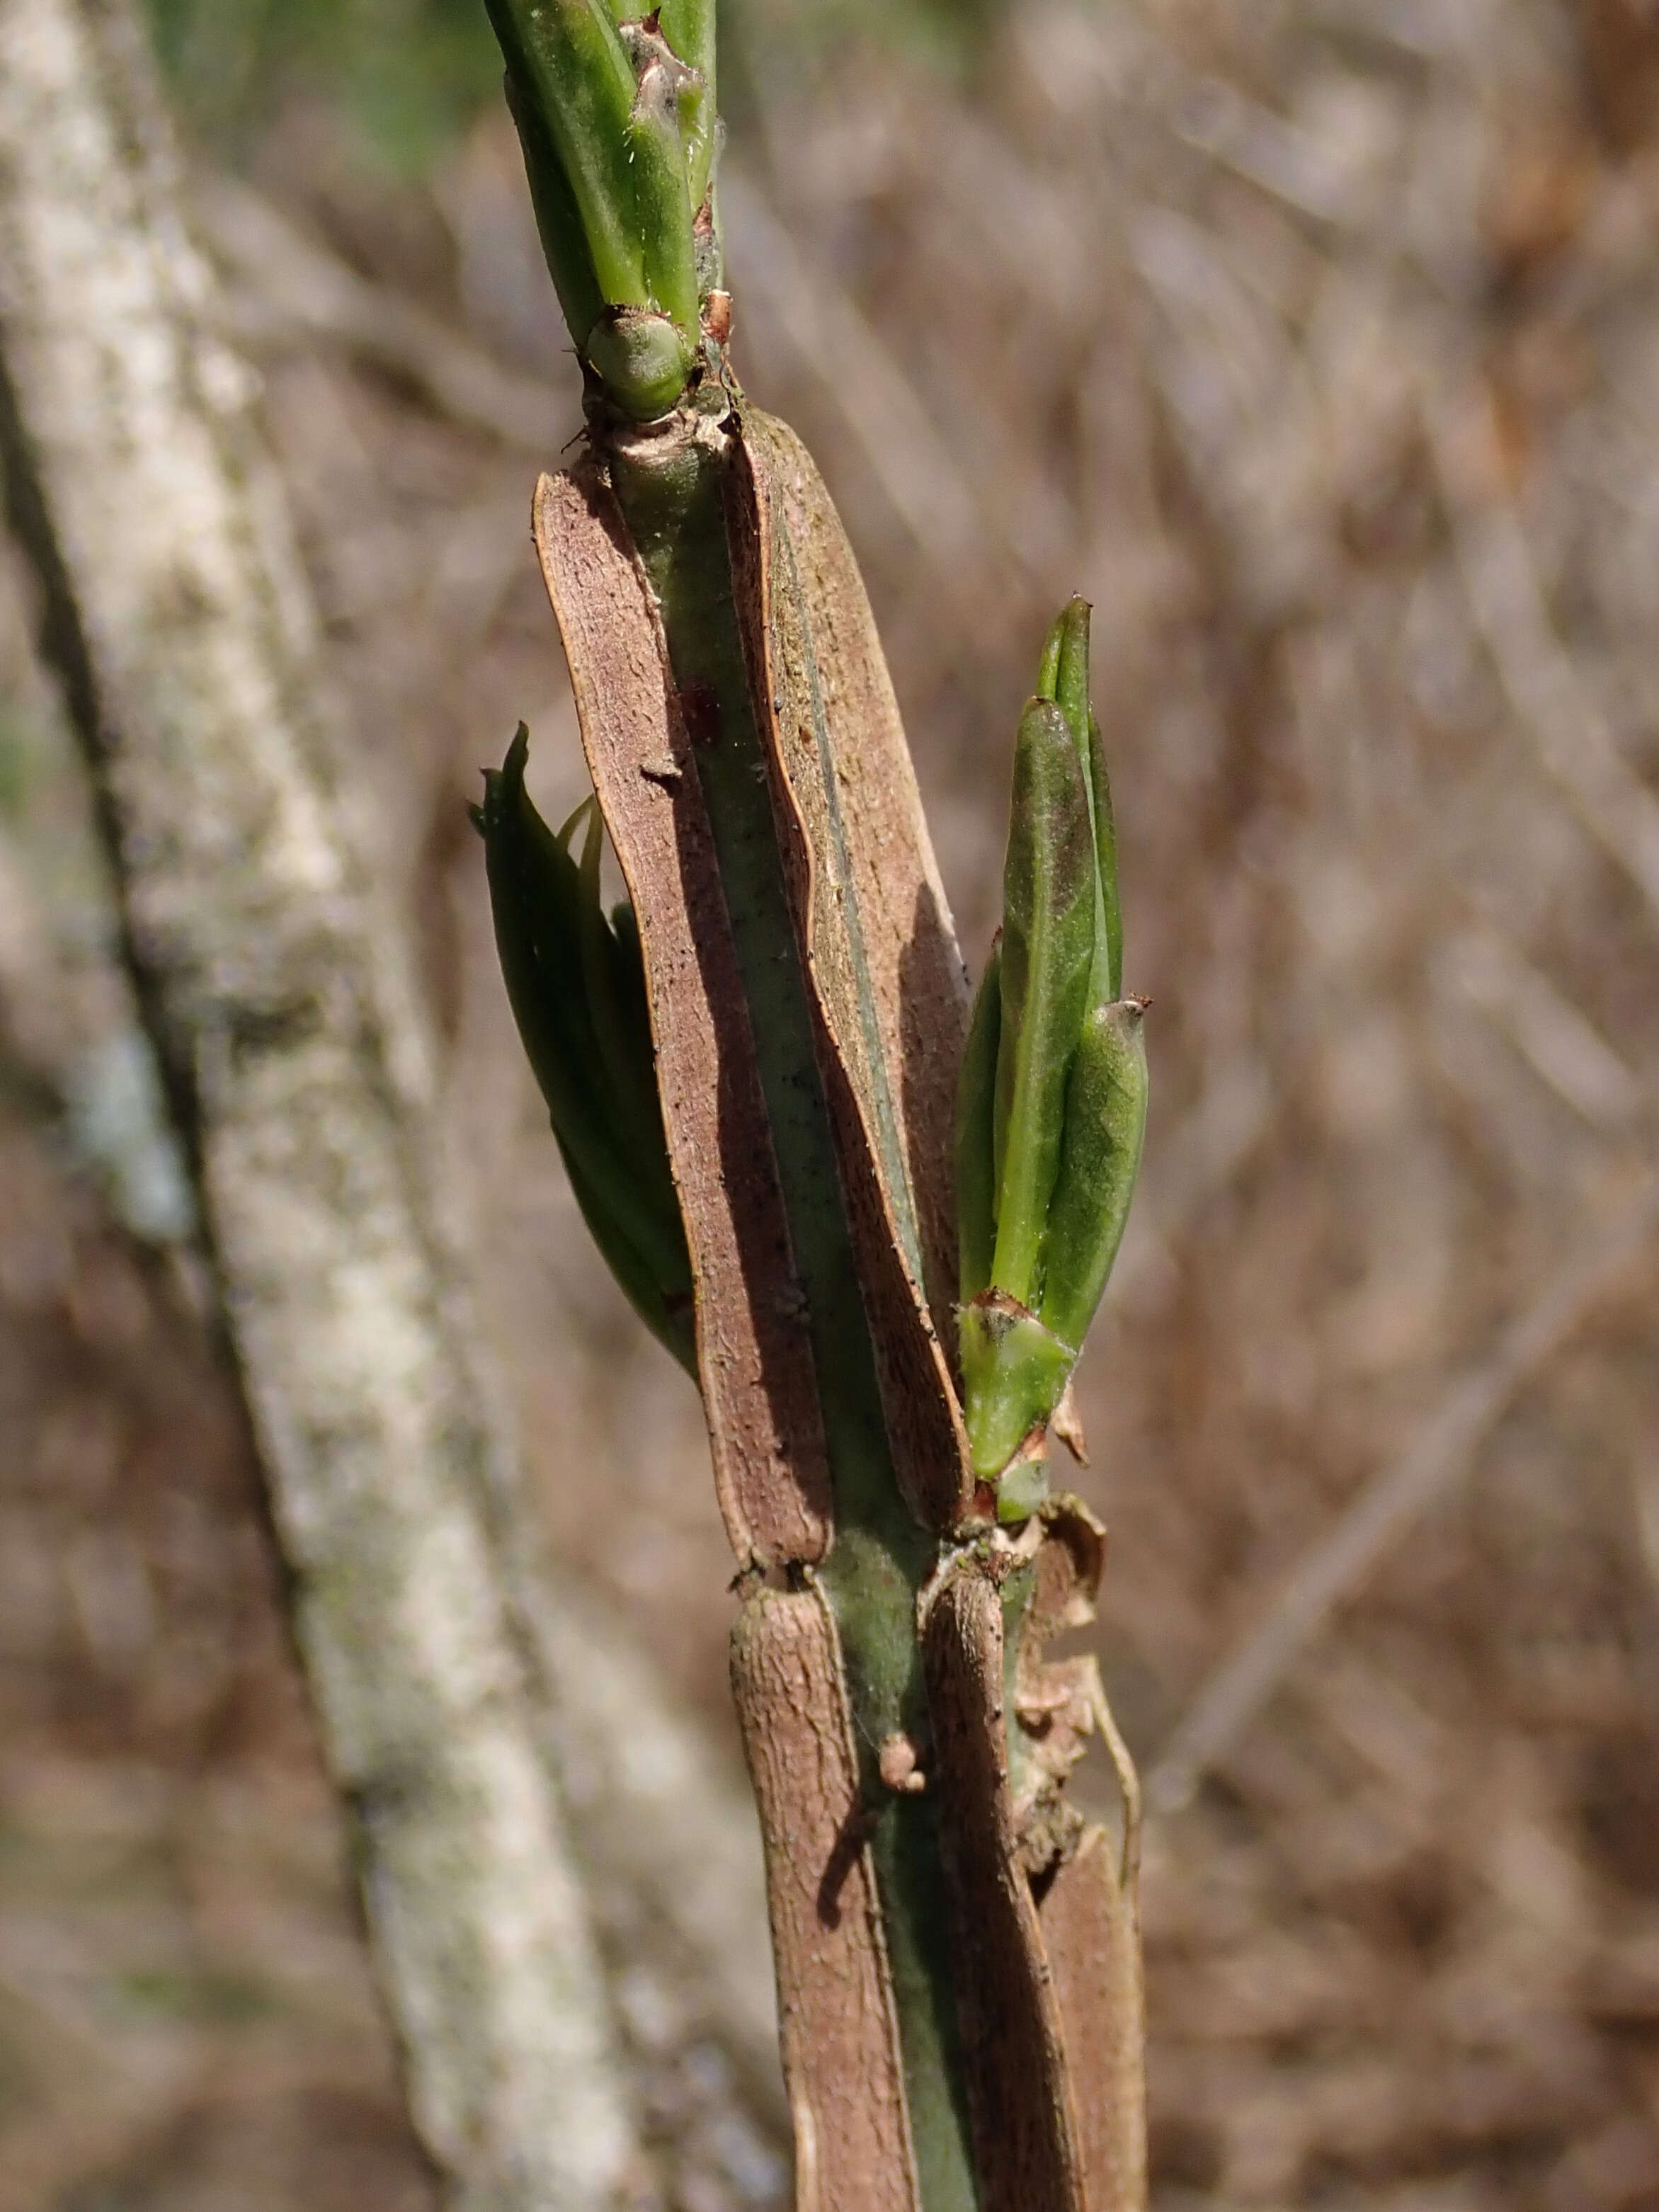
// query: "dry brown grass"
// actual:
[[1318, 341]]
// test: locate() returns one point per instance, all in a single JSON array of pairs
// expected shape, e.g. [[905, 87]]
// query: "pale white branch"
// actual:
[[177, 615]]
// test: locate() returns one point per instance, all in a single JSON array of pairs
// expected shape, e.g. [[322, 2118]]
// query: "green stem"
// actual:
[[663, 196], [559, 219], [570, 62], [689, 27], [673, 492]]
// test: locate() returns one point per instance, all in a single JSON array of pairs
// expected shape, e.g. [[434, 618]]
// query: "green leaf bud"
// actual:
[[1048, 683], [1068, 1103], [1063, 677], [633, 1008], [1047, 953], [641, 359], [1110, 920], [629, 1061], [1105, 1126], [976, 1091], [1071, 691], [576, 990], [668, 1309]]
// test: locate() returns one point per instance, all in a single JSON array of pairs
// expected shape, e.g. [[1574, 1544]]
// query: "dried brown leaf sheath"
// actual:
[[1049, 2053], [890, 990], [1050, 1991], [753, 1356], [1025, 2133], [1091, 1937]]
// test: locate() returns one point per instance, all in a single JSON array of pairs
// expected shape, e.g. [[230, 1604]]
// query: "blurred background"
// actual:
[[1317, 342]]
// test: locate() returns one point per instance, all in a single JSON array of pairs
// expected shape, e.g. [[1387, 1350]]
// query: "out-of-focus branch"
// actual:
[[1396, 1497], [176, 615], [669, 1841], [836, 347], [289, 284], [1550, 700], [1562, 1045]]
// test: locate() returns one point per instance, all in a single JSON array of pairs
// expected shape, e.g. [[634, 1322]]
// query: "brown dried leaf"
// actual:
[[1091, 1935], [890, 991], [1026, 2139], [754, 1356], [1055, 1699]]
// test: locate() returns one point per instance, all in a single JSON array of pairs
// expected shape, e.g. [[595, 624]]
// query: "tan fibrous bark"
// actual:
[[176, 615]]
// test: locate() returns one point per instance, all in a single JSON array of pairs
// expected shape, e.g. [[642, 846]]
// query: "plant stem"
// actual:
[[671, 489]]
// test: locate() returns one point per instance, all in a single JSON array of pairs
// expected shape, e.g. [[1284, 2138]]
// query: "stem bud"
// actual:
[[641, 358], [1052, 1098]]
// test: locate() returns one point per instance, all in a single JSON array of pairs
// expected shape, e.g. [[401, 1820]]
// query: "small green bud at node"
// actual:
[[642, 360]]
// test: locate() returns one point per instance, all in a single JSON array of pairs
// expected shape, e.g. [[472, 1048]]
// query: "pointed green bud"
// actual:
[[633, 1008], [629, 1064], [1063, 677], [1069, 1106], [1048, 683], [667, 1309], [1047, 953], [976, 1091], [1105, 1127], [577, 991], [1071, 691]]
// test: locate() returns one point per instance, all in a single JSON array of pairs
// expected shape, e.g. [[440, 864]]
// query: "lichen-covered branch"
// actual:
[[174, 612]]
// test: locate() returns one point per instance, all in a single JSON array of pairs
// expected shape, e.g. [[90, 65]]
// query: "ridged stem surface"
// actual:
[[672, 491]]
